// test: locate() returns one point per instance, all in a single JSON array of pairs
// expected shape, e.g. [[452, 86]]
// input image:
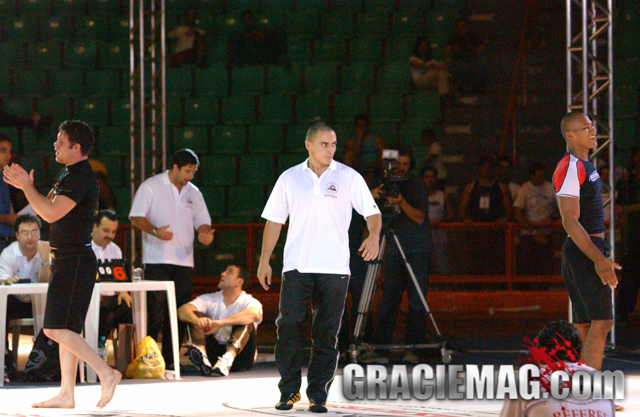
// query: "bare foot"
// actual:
[[619, 408], [108, 386], [59, 401]]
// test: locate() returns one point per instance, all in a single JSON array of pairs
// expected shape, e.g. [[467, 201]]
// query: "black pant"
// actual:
[[396, 280], [158, 314], [112, 314], [326, 293], [242, 341], [629, 284]]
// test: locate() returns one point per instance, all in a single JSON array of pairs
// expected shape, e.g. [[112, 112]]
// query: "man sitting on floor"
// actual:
[[229, 318]]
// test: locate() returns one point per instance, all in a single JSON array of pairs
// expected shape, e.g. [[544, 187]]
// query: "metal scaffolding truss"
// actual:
[[590, 82], [147, 93]]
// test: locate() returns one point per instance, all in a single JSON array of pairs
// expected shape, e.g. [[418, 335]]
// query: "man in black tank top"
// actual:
[[587, 271], [71, 208]]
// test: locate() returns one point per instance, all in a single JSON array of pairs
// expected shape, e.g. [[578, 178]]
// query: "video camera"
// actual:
[[392, 177]]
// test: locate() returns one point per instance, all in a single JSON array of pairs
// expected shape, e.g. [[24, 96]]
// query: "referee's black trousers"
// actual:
[[327, 294]]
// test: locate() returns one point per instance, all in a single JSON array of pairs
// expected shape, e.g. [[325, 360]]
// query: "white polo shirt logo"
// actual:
[[332, 190]]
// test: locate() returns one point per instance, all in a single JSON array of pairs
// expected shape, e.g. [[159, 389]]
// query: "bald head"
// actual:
[[571, 121]]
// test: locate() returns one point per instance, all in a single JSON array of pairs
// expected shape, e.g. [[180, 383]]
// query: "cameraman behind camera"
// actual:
[[409, 197]]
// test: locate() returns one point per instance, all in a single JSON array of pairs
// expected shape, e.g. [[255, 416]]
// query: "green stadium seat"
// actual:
[[35, 161], [246, 200], [248, 80], [352, 5], [57, 107], [386, 107], [394, 77], [228, 139], [92, 111], [218, 170], [215, 201], [276, 108], [92, 27], [34, 7], [283, 80], [347, 106], [179, 82], [370, 5], [627, 72], [114, 141], [312, 108], [423, 107], [218, 262], [312, 5], [411, 133], [388, 131], [20, 28], [228, 24], [321, 77], [625, 100], [626, 135], [103, 83], [5, 78], [80, 55], [330, 49], [400, 48], [239, 110], [278, 5], [298, 50], [18, 106], [29, 83], [123, 202], [296, 135], [121, 112], [242, 5], [422, 5], [108, 7], [119, 28], [174, 111], [45, 55], [366, 50], [13, 54], [374, 23], [204, 21], [217, 51], [303, 24], [194, 138], [357, 78], [212, 81], [408, 22], [12, 132], [7, 7], [57, 27], [442, 20], [70, 7], [286, 161], [114, 55], [33, 143], [270, 19], [201, 111], [338, 23], [266, 139], [257, 169]]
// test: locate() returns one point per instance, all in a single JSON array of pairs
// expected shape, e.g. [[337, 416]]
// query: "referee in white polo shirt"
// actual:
[[168, 208], [317, 196]]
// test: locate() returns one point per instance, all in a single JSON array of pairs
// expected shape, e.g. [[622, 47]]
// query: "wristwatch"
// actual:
[[47, 263], [155, 232]]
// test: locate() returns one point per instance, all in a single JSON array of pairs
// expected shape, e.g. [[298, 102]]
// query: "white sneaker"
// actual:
[[223, 366], [410, 357]]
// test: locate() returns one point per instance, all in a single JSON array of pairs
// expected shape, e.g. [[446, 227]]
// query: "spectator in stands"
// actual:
[[504, 171], [229, 318], [35, 121], [628, 211], [27, 259], [413, 232], [558, 348], [364, 150], [7, 214], [106, 198], [256, 46], [167, 208], [430, 154], [187, 42], [485, 199], [536, 207], [440, 210], [426, 72], [115, 309], [465, 52]]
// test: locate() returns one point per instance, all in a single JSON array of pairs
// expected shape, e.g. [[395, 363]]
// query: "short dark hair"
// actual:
[[564, 334], [79, 132], [185, 157], [109, 214], [5, 138], [484, 159], [416, 49], [429, 168], [406, 151], [536, 166], [315, 128], [568, 118], [244, 274], [26, 218]]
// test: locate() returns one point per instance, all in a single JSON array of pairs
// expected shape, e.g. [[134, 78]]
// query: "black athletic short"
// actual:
[[590, 299], [73, 274]]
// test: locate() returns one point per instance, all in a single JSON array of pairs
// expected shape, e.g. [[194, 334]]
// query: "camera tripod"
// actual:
[[364, 307]]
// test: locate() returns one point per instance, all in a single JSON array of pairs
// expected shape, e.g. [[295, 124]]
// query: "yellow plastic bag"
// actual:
[[149, 364]]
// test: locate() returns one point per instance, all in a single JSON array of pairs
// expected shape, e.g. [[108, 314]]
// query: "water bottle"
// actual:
[[137, 275], [102, 348]]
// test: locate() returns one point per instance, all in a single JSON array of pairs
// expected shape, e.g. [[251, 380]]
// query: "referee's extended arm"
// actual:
[[269, 239]]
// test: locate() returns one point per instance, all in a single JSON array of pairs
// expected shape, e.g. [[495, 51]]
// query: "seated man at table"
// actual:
[[229, 319], [114, 310], [25, 260]]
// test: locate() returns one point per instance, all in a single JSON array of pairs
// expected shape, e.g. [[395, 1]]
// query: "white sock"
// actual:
[[229, 356]]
